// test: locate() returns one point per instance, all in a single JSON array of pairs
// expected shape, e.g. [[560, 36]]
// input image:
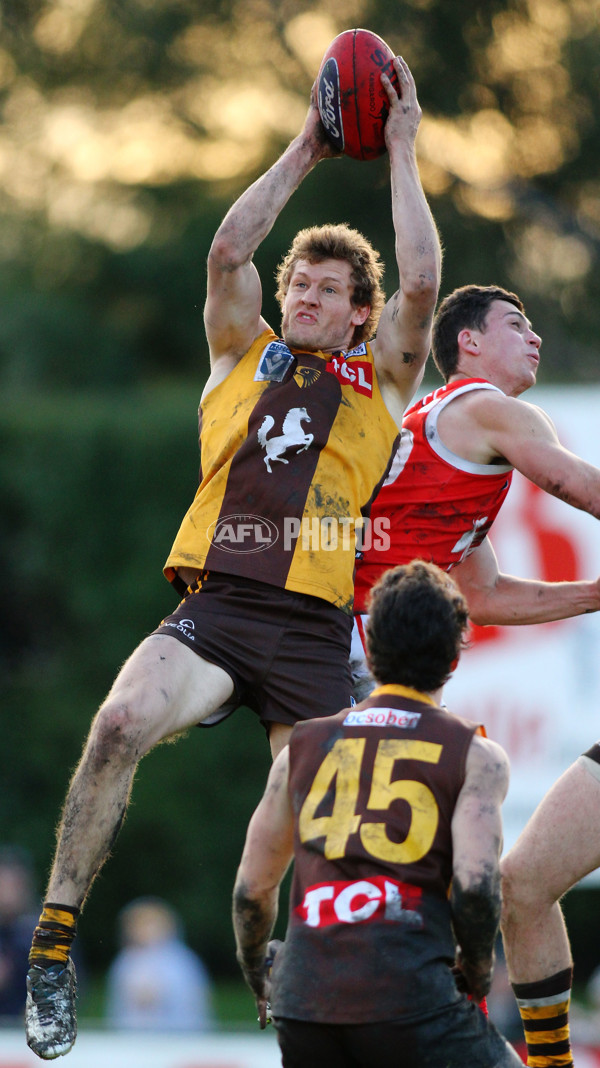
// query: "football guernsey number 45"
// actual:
[[341, 767]]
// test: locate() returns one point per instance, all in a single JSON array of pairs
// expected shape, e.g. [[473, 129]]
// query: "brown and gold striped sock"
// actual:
[[544, 1008], [54, 934]]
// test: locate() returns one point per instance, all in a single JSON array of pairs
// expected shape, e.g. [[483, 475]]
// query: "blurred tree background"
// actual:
[[127, 127]]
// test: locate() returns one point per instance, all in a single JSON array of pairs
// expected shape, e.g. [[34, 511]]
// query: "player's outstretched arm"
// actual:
[[477, 844], [404, 332], [234, 294], [525, 435], [266, 857], [496, 599]]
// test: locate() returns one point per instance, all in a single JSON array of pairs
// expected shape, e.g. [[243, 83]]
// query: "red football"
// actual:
[[353, 103]]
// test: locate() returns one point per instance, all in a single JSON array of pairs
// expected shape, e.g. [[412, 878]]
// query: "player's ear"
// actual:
[[360, 315], [467, 342]]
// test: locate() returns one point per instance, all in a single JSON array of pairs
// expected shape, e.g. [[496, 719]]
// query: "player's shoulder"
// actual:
[[488, 761], [248, 353], [488, 748], [491, 407], [497, 411]]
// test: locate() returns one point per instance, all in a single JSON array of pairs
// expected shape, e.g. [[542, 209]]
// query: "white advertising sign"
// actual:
[[97, 1049]]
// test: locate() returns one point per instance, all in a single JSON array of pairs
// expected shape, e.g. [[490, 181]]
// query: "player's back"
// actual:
[[373, 791]]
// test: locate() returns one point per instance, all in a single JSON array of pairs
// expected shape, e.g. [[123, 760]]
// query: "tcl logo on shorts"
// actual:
[[361, 901], [358, 374]]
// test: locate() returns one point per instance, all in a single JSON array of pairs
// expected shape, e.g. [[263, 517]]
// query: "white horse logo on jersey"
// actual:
[[293, 434]]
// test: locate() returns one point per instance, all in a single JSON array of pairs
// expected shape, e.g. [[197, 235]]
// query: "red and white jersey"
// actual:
[[433, 505]]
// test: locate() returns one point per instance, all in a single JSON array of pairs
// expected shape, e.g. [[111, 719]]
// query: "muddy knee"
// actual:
[[522, 889], [118, 736]]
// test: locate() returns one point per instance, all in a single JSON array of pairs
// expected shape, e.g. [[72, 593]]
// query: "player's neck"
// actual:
[[399, 690]]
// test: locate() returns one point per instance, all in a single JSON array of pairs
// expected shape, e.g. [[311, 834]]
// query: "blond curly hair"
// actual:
[[340, 242]]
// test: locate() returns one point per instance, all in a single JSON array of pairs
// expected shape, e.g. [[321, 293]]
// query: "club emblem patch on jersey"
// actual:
[[274, 362], [306, 376], [293, 435]]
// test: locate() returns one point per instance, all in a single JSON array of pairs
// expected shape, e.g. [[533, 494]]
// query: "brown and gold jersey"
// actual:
[[294, 445], [373, 791]]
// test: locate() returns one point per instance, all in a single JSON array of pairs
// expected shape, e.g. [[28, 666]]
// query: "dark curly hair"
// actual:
[[416, 627], [340, 242], [464, 308]]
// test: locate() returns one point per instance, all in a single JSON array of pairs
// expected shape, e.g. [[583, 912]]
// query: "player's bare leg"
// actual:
[[162, 689], [559, 845], [279, 736]]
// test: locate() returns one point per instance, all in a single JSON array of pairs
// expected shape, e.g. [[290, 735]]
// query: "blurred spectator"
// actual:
[[18, 913], [156, 982]]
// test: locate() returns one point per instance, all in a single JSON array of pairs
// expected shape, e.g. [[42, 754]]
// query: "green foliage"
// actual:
[[85, 305], [95, 488]]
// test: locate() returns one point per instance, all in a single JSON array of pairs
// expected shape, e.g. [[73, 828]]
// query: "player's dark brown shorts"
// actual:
[[459, 1037], [286, 653]]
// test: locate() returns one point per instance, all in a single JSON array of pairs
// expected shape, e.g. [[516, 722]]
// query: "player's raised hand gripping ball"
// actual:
[[353, 104]]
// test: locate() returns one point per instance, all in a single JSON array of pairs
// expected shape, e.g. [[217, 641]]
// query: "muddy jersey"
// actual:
[[373, 791], [433, 505], [294, 446]]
